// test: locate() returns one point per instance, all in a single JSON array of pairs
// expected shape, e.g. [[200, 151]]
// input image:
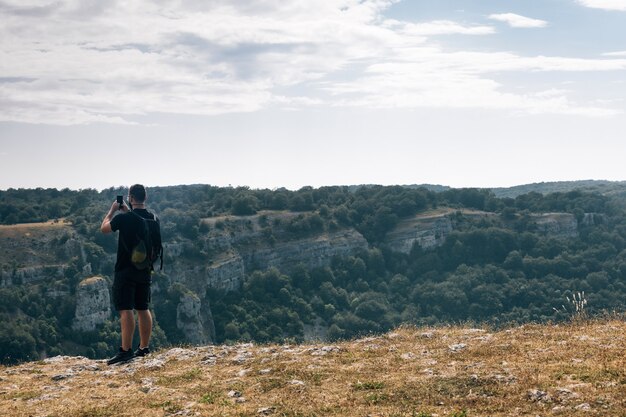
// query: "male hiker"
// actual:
[[131, 285]]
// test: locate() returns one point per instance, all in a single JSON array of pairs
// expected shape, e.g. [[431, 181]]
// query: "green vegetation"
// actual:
[[497, 266]]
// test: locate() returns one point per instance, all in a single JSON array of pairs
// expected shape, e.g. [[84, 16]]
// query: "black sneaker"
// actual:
[[142, 351], [122, 356]]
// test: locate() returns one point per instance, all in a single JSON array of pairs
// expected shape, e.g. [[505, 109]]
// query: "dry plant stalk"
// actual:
[[577, 303]]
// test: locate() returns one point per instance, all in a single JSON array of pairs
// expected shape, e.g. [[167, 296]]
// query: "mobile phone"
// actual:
[[120, 201]]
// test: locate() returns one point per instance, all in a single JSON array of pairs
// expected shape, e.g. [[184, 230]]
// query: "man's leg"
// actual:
[[127, 321], [145, 328]]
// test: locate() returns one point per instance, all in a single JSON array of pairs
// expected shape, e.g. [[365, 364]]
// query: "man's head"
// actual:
[[138, 193]]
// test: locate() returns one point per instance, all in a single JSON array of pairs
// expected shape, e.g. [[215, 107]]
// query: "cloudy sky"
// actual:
[[272, 93]]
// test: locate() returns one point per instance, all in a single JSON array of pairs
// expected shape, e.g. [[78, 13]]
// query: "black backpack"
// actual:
[[149, 247]]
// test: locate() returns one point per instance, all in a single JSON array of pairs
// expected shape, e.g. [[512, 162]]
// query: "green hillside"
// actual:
[[314, 264]]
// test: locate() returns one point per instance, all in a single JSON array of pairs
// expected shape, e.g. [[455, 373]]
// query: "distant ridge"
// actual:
[[430, 187], [598, 186], [601, 186]]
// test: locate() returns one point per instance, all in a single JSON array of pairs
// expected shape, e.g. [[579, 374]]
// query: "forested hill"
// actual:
[[318, 263], [593, 186]]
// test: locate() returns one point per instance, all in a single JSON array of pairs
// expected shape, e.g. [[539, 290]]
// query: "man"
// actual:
[[131, 286]]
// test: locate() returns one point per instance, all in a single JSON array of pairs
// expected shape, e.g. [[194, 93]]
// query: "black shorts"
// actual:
[[130, 293]]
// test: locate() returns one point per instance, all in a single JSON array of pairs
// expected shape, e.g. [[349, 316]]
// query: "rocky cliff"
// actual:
[[236, 245], [36, 252], [194, 319], [557, 224], [232, 247], [93, 305], [428, 230], [315, 251]]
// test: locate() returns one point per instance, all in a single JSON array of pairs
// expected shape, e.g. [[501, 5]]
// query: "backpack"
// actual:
[[149, 246]]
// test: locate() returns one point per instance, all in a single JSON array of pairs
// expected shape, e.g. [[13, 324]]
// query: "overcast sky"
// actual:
[[274, 93]]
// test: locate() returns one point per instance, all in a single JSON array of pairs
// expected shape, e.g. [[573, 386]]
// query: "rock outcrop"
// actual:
[[224, 255], [194, 319], [426, 232], [430, 230], [93, 304], [225, 273], [242, 246], [6, 278], [315, 251], [557, 224], [31, 274]]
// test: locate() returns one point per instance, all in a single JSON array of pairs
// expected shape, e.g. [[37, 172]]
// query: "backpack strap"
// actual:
[[122, 240], [158, 222], [156, 219]]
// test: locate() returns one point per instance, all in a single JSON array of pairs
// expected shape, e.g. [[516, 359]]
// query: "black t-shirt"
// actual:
[[130, 228]]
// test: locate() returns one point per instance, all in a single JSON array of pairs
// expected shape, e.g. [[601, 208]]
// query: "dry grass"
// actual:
[[21, 229], [560, 370], [26, 244]]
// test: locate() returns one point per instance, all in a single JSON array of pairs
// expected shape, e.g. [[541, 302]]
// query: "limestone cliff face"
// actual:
[[6, 278], [225, 273], [557, 224], [225, 254], [593, 219], [194, 319], [430, 230], [93, 304], [316, 251], [37, 252], [242, 246], [426, 232], [31, 274]]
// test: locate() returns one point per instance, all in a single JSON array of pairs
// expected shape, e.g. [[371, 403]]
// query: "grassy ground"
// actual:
[[532, 370], [23, 244]]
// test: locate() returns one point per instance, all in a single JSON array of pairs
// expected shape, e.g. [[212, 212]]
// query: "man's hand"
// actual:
[[105, 227], [117, 206]]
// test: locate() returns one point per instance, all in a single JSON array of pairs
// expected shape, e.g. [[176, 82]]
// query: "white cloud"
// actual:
[[616, 53], [619, 5], [517, 21], [443, 80], [73, 62], [438, 27]]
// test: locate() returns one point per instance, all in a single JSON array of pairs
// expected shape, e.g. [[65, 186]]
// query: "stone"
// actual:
[[457, 347], [60, 377], [324, 350], [266, 411], [536, 395], [209, 360], [564, 394], [234, 394], [242, 357], [152, 364]]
